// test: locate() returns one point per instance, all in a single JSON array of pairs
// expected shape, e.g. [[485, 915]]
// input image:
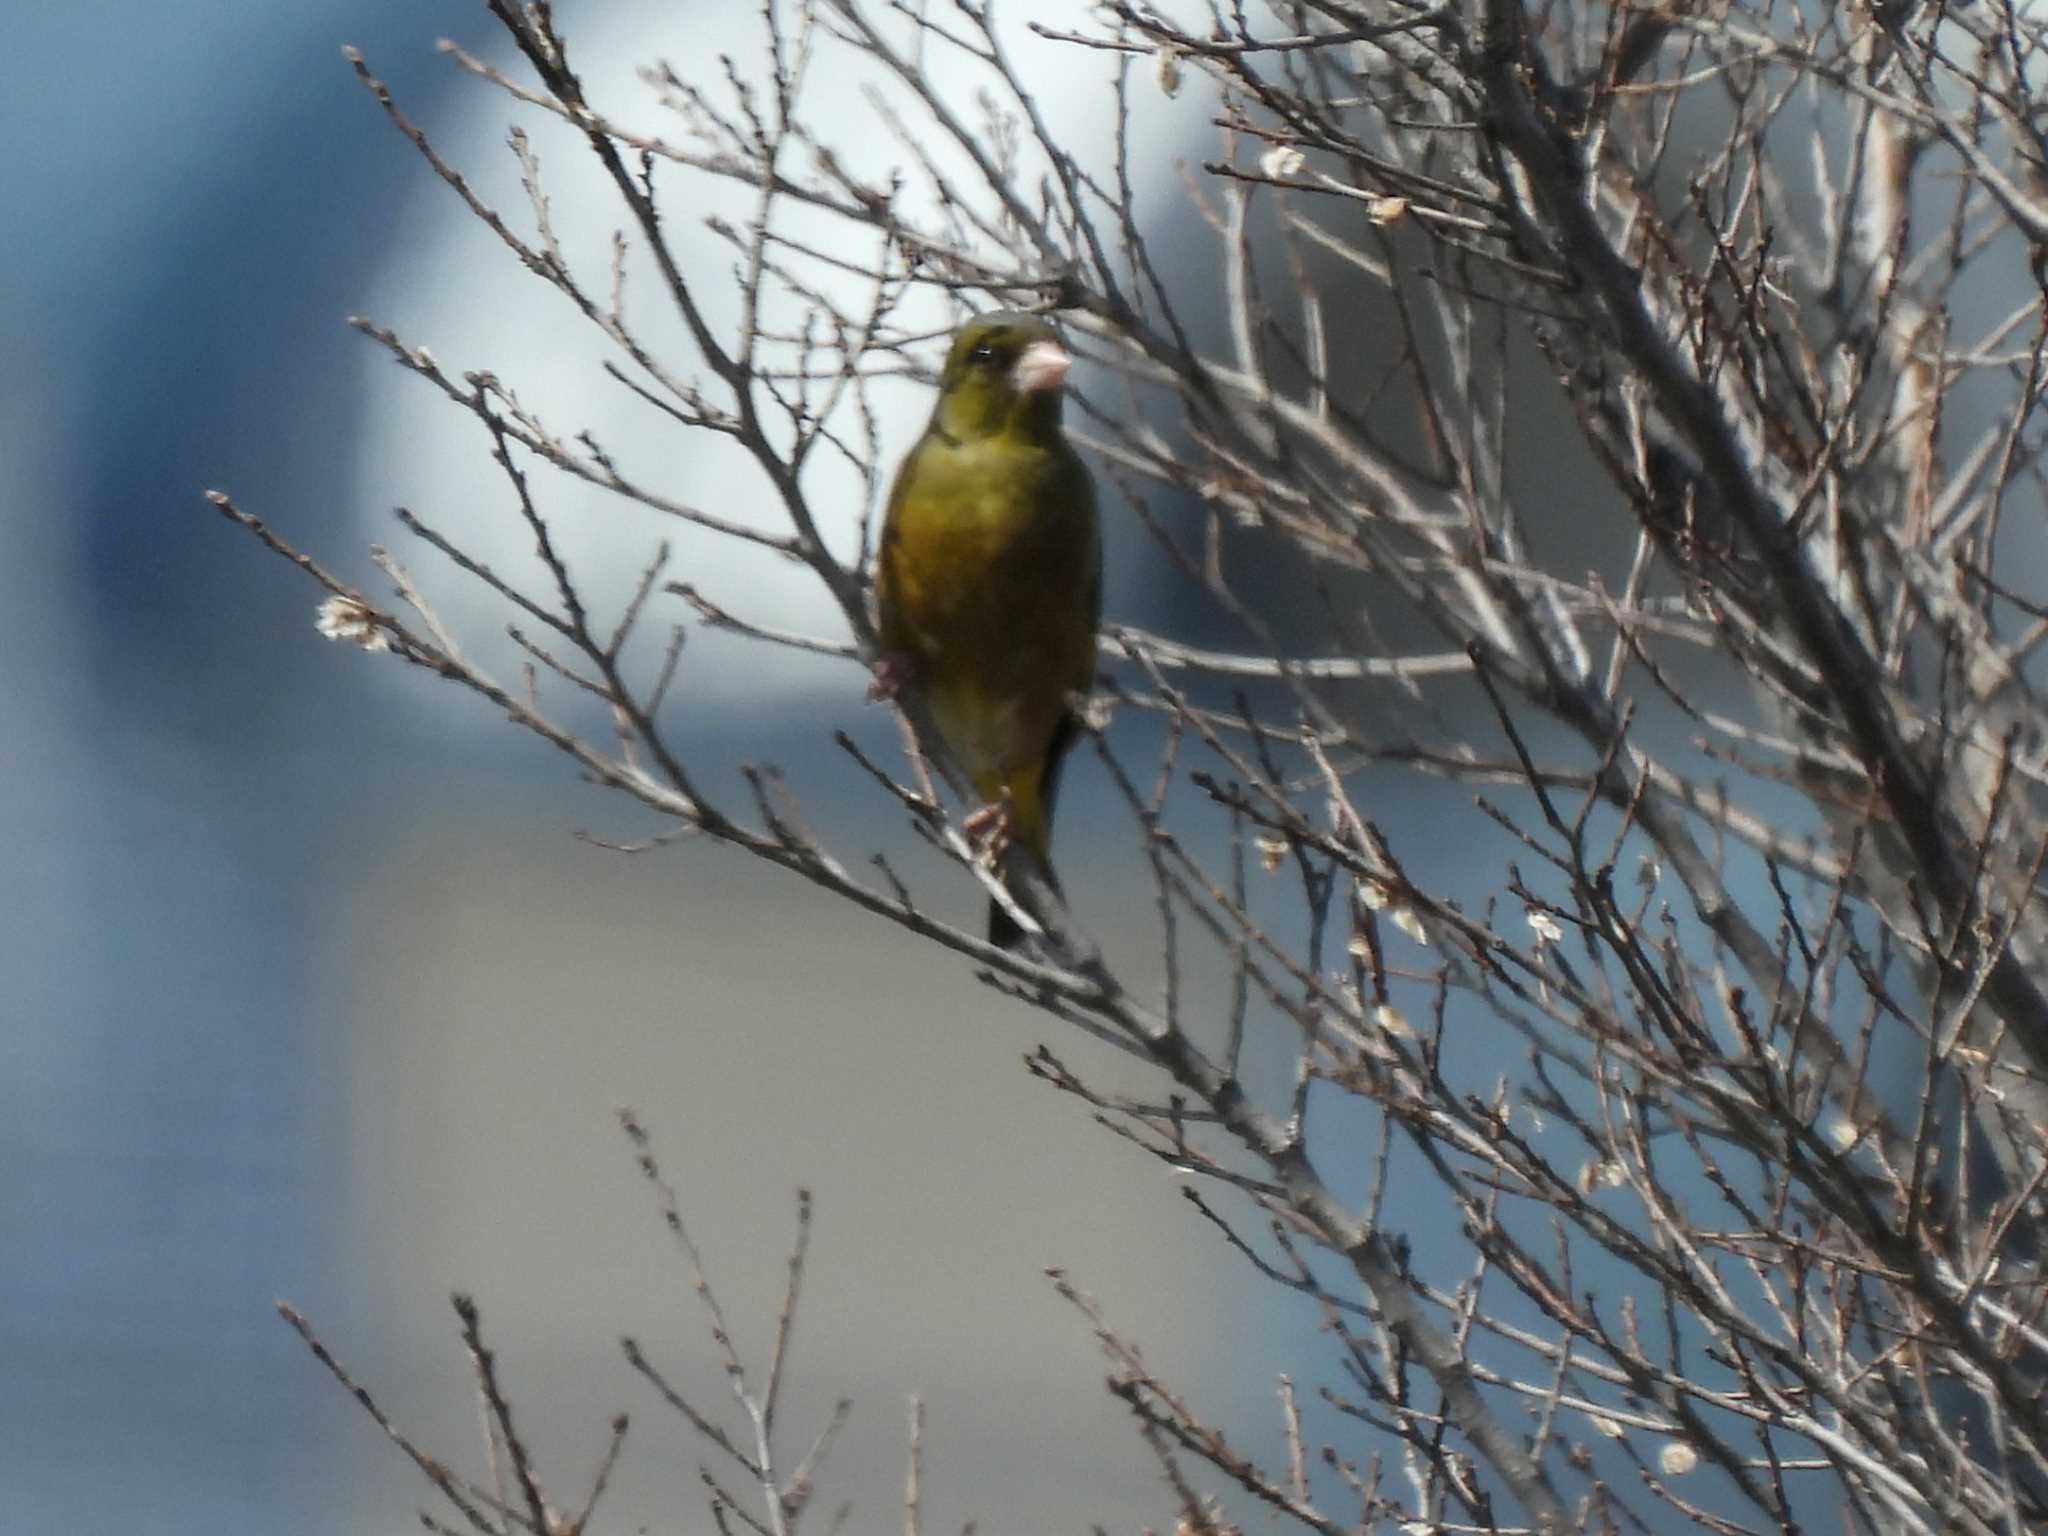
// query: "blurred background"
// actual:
[[308, 989]]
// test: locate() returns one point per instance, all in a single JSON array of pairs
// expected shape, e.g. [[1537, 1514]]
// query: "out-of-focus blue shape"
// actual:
[[194, 194]]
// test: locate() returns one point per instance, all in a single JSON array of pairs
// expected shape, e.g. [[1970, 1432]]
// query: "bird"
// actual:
[[988, 578]]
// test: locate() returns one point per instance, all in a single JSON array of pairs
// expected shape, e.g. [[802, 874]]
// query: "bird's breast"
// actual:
[[987, 576]]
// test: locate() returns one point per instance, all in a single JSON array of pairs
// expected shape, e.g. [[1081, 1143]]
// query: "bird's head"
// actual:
[[1004, 376]]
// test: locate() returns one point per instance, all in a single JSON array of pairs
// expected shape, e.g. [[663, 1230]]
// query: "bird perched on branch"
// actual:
[[989, 576]]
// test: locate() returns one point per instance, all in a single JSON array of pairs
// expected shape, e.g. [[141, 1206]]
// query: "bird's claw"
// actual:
[[892, 674], [988, 829]]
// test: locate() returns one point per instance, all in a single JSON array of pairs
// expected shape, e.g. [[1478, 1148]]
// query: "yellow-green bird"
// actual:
[[989, 575]]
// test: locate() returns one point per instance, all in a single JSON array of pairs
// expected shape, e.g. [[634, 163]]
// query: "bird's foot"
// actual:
[[988, 829], [893, 670]]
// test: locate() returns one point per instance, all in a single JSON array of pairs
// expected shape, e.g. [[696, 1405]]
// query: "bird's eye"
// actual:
[[983, 356]]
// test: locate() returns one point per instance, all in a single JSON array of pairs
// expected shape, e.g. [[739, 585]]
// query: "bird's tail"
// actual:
[[1003, 929], [1031, 801]]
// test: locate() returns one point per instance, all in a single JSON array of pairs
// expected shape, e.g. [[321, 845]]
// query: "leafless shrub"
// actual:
[[1775, 774]]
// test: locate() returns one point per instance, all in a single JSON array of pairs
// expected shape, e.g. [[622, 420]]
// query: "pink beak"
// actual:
[[1042, 367]]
